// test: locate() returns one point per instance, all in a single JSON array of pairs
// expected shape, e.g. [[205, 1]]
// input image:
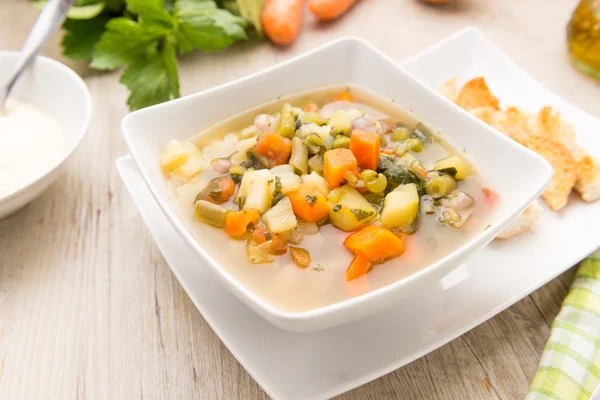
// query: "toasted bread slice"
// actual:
[[523, 222], [477, 94], [559, 155], [548, 123], [448, 89], [588, 176]]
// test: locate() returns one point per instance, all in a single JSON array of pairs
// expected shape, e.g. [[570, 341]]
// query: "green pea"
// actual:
[[415, 145], [401, 133], [378, 185], [341, 142]]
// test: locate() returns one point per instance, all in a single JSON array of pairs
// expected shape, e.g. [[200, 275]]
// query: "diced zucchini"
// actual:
[[174, 155], [462, 168], [299, 157], [209, 213], [288, 182], [401, 207], [316, 181], [340, 123], [255, 190], [312, 118], [316, 164], [281, 218], [350, 210]]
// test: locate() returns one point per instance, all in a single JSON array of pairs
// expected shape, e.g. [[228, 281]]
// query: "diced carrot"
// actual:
[[237, 222], [218, 190], [358, 267], [344, 96], [365, 147], [489, 195], [421, 171], [300, 256], [261, 234], [311, 107], [309, 204], [337, 163], [375, 243], [274, 147]]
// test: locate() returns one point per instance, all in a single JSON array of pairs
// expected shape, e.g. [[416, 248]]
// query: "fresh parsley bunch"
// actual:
[[145, 37]]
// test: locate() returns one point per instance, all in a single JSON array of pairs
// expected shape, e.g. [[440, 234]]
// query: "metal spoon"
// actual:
[[51, 18]]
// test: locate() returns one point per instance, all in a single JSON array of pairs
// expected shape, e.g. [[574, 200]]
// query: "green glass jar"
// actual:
[[583, 35]]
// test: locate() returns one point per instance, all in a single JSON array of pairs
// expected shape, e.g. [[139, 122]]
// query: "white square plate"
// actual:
[[148, 131], [324, 364]]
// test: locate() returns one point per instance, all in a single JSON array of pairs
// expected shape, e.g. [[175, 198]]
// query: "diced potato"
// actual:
[[192, 167], [340, 123], [401, 207], [174, 155], [462, 168], [288, 181], [221, 148], [281, 218], [255, 190], [316, 181], [246, 144], [282, 169], [350, 210], [249, 132]]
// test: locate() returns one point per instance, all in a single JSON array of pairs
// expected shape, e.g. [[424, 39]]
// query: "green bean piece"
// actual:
[[315, 163], [299, 157], [209, 213], [415, 145], [341, 142], [315, 144], [440, 186], [401, 133], [286, 126]]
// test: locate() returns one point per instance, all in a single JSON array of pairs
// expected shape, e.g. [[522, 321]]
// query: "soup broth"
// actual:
[[453, 202]]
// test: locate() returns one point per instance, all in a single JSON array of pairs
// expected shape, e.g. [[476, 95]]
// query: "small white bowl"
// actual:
[[517, 174], [57, 90]]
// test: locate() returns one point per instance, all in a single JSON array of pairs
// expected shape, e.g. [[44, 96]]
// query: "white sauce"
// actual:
[[31, 143]]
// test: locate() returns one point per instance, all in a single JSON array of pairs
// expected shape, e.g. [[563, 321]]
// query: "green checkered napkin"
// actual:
[[570, 366]]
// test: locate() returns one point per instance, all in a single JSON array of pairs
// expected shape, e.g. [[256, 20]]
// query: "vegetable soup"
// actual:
[[325, 195]]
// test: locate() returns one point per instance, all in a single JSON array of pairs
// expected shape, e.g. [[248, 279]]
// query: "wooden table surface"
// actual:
[[89, 308]]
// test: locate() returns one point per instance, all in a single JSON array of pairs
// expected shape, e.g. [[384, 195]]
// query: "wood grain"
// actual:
[[89, 309]]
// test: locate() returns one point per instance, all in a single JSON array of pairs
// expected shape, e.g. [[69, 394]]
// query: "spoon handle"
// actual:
[[52, 16]]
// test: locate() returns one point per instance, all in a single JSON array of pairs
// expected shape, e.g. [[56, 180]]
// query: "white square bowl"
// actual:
[[515, 173]]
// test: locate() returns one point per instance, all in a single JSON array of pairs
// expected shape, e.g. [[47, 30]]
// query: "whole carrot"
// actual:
[[326, 10], [281, 20]]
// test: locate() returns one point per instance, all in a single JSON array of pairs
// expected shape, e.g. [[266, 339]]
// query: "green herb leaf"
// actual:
[[152, 80], [251, 11], [81, 36], [151, 12], [203, 26], [125, 41]]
